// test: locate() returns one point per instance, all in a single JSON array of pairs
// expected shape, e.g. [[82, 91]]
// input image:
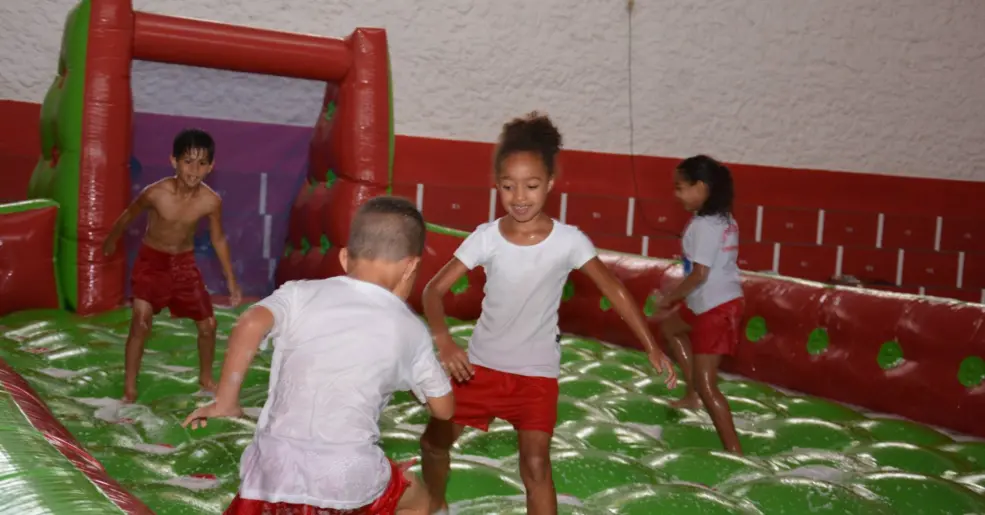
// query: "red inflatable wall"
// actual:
[[27, 256], [917, 357]]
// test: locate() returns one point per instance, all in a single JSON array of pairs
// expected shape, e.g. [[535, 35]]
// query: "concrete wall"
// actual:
[[883, 86]]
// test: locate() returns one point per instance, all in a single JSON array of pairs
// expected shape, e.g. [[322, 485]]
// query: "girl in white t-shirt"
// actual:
[[510, 371], [706, 327]]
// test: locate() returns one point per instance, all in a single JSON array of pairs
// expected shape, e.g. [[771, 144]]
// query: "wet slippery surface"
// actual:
[[619, 447]]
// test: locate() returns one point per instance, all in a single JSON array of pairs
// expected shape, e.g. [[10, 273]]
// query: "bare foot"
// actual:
[[129, 396], [687, 402]]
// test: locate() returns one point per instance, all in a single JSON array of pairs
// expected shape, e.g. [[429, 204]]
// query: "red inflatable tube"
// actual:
[[915, 357], [41, 418], [168, 39]]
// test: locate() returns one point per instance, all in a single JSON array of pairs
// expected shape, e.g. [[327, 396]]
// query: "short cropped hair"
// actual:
[[190, 140], [387, 228]]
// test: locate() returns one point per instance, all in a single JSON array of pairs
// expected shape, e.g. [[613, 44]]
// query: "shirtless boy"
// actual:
[[165, 273]]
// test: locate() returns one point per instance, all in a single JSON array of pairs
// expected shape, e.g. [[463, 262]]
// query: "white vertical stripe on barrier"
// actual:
[[938, 232], [268, 223], [492, 204], [564, 208], [899, 268], [630, 214], [646, 246], [776, 258], [420, 197], [839, 260], [880, 224], [263, 193], [759, 223], [960, 269], [820, 226]]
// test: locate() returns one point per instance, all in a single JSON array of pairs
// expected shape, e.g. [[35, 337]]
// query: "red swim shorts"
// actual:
[[527, 402], [172, 281], [715, 331], [385, 504]]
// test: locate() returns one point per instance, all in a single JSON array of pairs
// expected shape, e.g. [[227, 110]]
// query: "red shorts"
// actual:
[[715, 331], [172, 281], [527, 402], [385, 504]]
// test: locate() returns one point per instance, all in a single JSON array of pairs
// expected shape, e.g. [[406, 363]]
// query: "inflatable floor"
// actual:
[[620, 447]]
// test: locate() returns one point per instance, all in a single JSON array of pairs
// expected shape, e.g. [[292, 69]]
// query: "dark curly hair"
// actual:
[[532, 133], [717, 177]]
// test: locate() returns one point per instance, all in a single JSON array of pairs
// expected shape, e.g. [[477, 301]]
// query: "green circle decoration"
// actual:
[[605, 304], [460, 286], [971, 373], [568, 291], [650, 306], [325, 244], [890, 355], [756, 329], [330, 178], [818, 341], [305, 245]]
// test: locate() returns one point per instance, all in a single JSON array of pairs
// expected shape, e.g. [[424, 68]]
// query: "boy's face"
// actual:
[[523, 185], [192, 167]]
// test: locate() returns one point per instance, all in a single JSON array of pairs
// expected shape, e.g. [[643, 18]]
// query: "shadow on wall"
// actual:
[[258, 169]]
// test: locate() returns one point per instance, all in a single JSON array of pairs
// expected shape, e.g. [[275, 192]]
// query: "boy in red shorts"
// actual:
[[165, 273], [342, 347]]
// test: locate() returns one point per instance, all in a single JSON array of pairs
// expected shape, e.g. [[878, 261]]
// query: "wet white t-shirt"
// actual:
[[517, 331], [341, 348], [713, 241]]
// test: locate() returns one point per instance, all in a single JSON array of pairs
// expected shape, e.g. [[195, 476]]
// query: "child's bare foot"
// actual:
[[687, 402], [129, 396]]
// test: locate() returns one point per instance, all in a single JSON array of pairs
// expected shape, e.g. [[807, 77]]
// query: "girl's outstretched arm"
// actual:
[[625, 306], [454, 360]]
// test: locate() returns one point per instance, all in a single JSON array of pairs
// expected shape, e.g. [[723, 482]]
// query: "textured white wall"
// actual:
[[886, 86]]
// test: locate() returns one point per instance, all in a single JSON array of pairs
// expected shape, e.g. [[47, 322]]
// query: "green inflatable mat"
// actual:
[[619, 447]]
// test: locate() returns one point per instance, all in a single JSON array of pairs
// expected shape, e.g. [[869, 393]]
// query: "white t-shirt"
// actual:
[[517, 331], [341, 348], [713, 242]]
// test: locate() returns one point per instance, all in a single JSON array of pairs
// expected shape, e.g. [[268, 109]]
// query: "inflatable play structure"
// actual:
[[847, 400]]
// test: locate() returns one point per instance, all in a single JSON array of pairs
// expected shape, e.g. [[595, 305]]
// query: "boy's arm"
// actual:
[[244, 340], [139, 205], [221, 246], [429, 383]]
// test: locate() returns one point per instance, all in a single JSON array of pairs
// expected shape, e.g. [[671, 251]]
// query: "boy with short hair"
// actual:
[[165, 273], [342, 347]]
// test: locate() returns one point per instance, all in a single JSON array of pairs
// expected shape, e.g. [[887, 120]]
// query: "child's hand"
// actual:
[[198, 418], [235, 294], [453, 359], [661, 363]]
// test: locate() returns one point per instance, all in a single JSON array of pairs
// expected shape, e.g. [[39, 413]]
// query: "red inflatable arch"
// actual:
[[85, 169]]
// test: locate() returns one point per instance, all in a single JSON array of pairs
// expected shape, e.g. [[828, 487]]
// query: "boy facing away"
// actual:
[[165, 273], [342, 347]]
